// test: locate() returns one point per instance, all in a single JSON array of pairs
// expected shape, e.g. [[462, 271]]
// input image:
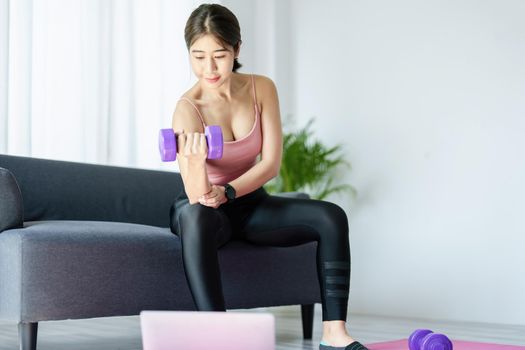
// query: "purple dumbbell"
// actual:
[[425, 339], [168, 143]]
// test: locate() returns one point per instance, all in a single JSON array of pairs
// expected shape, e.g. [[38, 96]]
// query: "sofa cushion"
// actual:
[[11, 205]]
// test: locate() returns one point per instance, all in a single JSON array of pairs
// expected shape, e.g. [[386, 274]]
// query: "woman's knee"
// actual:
[[334, 219], [199, 222], [198, 216]]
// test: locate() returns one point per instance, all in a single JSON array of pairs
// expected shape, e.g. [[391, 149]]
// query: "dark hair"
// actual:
[[217, 20]]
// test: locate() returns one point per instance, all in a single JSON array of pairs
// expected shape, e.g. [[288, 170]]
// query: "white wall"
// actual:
[[429, 101]]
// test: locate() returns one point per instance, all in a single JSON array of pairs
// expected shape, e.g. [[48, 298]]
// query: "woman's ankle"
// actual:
[[334, 328]]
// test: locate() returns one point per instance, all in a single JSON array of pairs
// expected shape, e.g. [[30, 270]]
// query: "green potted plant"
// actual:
[[309, 166]]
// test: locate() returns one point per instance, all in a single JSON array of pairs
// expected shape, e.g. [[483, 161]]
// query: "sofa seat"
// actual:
[[68, 266]]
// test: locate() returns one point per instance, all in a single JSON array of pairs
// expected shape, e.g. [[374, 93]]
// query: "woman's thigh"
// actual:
[[283, 221]]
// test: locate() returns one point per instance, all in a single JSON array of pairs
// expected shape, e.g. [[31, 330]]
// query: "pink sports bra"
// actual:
[[238, 156]]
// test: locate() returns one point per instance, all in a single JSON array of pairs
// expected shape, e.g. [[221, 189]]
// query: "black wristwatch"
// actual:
[[229, 191]]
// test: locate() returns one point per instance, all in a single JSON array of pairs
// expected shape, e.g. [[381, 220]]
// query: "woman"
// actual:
[[224, 199]]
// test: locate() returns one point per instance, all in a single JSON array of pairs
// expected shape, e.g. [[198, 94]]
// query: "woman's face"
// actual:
[[212, 63]]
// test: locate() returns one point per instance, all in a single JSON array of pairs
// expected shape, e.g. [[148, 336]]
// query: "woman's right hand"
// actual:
[[193, 146]]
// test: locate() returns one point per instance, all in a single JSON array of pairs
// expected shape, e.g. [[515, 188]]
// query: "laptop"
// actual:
[[198, 330]]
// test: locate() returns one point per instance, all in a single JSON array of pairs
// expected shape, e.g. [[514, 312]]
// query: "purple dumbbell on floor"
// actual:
[[425, 339], [168, 143]]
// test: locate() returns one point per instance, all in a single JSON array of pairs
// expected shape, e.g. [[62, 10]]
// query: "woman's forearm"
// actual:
[[257, 176], [196, 181]]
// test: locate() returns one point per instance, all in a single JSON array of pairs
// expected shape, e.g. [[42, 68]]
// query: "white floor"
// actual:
[[113, 333]]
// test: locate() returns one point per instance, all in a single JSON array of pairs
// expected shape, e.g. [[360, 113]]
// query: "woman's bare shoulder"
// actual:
[[262, 79], [265, 87], [263, 82], [192, 93], [185, 115]]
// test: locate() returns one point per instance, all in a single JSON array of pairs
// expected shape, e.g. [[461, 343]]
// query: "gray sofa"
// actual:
[[84, 240]]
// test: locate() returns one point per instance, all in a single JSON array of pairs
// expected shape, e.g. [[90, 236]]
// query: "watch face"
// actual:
[[230, 192]]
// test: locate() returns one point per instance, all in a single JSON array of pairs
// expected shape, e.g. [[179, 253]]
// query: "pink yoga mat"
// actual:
[[458, 345]]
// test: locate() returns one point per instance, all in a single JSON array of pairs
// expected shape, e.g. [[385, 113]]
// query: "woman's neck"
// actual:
[[222, 93]]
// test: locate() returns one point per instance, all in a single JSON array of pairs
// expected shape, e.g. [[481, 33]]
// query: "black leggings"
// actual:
[[263, 219]]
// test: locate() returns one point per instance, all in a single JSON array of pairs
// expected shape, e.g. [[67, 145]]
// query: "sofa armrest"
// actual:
[[11, 205], [293, 195]]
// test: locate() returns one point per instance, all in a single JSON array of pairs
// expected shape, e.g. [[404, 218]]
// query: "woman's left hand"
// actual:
[[214, 198]]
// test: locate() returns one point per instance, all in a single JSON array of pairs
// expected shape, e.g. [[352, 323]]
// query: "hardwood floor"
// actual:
[[112, 333]]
